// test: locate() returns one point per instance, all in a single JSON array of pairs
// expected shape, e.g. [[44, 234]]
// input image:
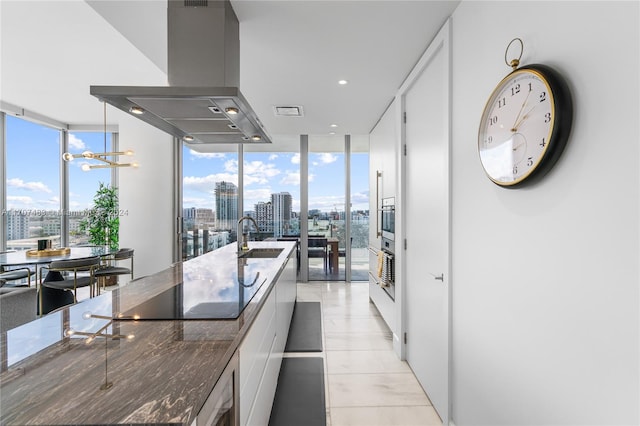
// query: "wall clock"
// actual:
[[525, 125]]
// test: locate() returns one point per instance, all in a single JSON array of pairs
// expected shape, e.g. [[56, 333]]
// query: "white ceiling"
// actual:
[[291, 53]]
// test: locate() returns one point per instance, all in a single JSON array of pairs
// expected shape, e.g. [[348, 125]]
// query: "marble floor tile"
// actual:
[[385, 416], [358, 341], [307, 293], [372, 390], [354, 325], [333, 290], [339, 310], [354, 362], [366, 383]]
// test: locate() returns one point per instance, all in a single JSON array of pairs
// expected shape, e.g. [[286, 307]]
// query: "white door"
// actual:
[[426, 212]]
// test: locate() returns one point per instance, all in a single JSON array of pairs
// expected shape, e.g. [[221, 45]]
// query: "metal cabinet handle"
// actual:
[[378, 178]]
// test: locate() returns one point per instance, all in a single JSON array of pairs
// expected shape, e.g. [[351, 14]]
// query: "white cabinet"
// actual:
[[221, 408], [254, 353], [286, 292], [383, 157], [261, 351]]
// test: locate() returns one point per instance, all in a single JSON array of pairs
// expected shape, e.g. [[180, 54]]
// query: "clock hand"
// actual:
[[514, 127], [524, 117]]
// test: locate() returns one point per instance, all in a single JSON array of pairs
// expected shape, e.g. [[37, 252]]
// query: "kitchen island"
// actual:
[[157, 366]]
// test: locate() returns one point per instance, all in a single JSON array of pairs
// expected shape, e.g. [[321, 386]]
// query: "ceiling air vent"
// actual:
[[288, 111]]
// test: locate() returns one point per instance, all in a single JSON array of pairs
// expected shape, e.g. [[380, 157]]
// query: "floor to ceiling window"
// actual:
[[35, 191], [209, 198], [270, 192], [327, 214], [32, 184], [359, 215]]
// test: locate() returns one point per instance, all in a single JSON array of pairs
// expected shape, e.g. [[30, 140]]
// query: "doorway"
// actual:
[[427, 219]]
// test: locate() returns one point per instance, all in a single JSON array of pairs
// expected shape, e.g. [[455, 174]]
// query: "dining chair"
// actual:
[[15, 274], [74, 273], [109, 267], [317, 248]]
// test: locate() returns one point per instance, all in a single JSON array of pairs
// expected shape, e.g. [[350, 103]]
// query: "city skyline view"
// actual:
[[33, 181]]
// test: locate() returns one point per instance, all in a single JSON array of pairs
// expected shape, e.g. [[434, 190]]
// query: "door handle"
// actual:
[[437, 277]]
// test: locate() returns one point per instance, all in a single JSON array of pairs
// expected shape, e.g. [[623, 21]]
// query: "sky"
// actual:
[[268, 173], [33, 154], [33, 179]]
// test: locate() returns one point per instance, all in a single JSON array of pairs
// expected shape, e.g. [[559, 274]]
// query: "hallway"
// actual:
[[366, 383]]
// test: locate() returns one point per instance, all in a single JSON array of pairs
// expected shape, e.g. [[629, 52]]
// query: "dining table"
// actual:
[[333, 253], [38, 258], [41, 258]]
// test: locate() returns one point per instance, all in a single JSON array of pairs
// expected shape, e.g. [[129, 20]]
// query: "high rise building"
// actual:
[[205, 217], [226, 194], [17, 225], [264, 216], [189, 213], [281, 205]]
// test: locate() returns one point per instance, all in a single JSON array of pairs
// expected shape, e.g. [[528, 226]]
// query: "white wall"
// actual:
[[546, 279], [146, 195]]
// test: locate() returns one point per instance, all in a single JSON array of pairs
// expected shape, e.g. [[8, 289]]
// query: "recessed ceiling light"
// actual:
[[342, 82], [256, 138], [334, 125], [188, 138], [136, 110], [231, 110], [332, 133]]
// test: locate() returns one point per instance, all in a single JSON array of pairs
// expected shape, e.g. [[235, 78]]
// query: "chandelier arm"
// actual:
[[105, 160]]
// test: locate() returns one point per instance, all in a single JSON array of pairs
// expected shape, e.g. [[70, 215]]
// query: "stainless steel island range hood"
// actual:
[[202, 103]]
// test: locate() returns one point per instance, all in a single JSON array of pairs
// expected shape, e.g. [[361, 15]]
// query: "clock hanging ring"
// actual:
[[525, 124]]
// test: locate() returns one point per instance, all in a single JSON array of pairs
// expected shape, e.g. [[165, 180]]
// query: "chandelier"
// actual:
[[104, 160]]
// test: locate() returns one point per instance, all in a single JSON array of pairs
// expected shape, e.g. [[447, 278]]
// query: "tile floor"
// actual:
[[366, 383]]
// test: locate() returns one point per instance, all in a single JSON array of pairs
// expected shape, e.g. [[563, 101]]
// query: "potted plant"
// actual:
[[102, 221]]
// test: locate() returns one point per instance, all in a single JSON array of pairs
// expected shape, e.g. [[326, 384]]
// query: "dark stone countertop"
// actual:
[[161, 376]]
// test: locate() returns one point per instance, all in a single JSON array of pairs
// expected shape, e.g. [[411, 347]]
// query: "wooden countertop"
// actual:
[[163, 375]]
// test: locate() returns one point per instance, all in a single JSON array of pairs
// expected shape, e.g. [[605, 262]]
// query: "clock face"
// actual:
[[517, 127]]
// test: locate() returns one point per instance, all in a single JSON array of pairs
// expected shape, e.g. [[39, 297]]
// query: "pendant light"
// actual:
[[103, 160]]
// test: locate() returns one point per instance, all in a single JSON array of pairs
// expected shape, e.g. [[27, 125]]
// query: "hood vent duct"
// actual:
[[202, 103], [196, 3]]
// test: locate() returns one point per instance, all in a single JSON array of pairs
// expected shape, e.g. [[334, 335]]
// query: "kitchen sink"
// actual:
[[262, 253]]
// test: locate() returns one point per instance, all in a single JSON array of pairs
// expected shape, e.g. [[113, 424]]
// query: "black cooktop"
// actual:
[[195, 300]]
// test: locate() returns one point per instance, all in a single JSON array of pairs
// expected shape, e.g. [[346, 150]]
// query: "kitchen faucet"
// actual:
[[242, 245]]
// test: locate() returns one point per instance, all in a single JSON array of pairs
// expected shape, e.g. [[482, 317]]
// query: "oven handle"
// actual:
[[378, 178]]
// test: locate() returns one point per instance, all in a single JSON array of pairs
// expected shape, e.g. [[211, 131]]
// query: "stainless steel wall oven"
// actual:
[[388, 218]]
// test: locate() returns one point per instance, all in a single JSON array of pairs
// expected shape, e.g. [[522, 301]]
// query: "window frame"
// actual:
[[64, 130]]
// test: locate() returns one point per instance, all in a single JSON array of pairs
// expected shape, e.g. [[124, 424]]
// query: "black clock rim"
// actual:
[[563, 105]]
